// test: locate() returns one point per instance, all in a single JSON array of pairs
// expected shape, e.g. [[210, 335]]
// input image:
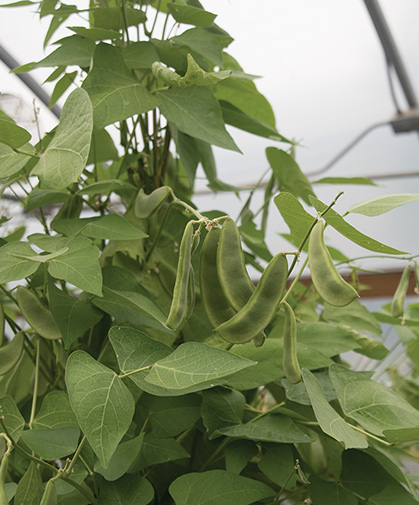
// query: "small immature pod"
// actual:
[[290, 361], [38, 317], [213, 299], [177, 313], [397, 305], [326, 279], [261, 307]]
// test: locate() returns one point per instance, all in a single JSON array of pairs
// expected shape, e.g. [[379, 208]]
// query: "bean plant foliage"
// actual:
[[139, 363]]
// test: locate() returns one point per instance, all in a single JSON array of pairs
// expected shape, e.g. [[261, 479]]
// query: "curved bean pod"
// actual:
[[50, 494], [234, 278], [38, 317], [3, 474], [326, 279], [232, 273], [177, 313], [213, 299], [289, 358], [397, 305], [259, 310]]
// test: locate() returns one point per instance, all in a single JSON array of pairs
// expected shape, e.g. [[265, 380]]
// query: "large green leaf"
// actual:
[[52, 443], [14, 268], [128, 490], [140, 55], [122, 459], [361, 474], [354, 316], [393, 493], [200, 41], [288, 174], [191, 15], [382, 204], [243, 94], [95, 33], [11, 134], [13, 419], [136, 353], [196, 112], [238, 453], [66, 156], [55, 412], [194, 363], [330, 492], [235, 117], [73, 315], [29, 489], [74, 50], [269, 362], [114, 18], [339, 224], [42, 196], [222, 407], [160, 450], [79, 266], [326, 338], [183, 412], [271, 428], [110, 226], [102, 403], [294, 214], [329, 420], [374, 406], [11, 352], [278, 465], [218, 487], [114, 92], [12, 162]]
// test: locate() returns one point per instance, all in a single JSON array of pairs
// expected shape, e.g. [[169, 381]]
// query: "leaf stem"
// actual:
[[67, 472], [127, 374]]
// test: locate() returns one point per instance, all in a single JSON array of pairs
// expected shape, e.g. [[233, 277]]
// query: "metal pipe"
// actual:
[[11, 63], [391, 51]]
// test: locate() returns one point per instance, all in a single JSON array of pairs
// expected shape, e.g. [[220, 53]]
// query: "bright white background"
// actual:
[[324, 73]]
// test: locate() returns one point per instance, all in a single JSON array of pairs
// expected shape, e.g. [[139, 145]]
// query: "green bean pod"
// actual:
[[38, 317], [1, 323], [178, 307], [397, 305], [146, 205], [191, 293], [50, 494], [234, 278], [3, 474], [326, 279], [213, 299], [289, 357], [259, 310]]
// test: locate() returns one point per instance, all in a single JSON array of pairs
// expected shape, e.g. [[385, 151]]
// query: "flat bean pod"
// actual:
[[178, 307], [259, 310], [234, 278], [326, 279], [213, 299], [289, 358], [3, 474], [397, 305], [191, 293], [38, 317]]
